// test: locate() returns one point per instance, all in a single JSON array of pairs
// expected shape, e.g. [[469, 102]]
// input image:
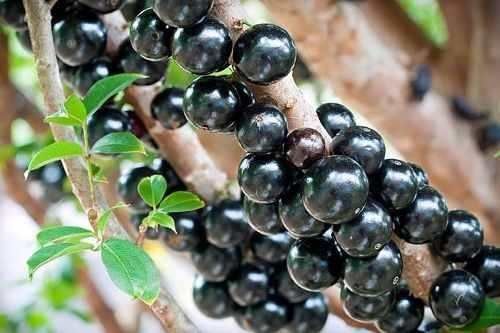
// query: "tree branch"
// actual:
[[39, 21]]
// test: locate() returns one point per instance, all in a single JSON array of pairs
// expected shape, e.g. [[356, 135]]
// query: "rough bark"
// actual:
[[39, 21]]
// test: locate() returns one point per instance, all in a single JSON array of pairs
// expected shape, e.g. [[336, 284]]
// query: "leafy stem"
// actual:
[[87, 157]]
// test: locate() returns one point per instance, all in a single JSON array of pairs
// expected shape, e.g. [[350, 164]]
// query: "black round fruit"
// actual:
[[488, 136], [212, 298], [462, 238], [486, 266], [79, 38], [268, 316], [271, 249], [294, 216], [422, 178], [130, 62], [261, 128], [211, 103], [166, 107], [367, 308], [189, 232], [395, 184], [215, 264], [425, 219], [367, 233], [263, 178], [150, 37], [304, 146], [405, 315], [421, 82], [314, 264], [249, 285], [23, 36], [181, 13], [376, 275], [226, 225], [362, 144], [127, 186], [131, 8], [264, 53], [287, 288], [12, 13], [88, 74], [335, 189], [245, 95], [263, 218], [309, 316], [456, 298], [203, 48], [335, 117], [106, 120], [103, 6]]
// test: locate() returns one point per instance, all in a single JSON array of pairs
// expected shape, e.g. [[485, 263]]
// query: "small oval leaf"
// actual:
[[62, 119], [64, 234], [104, 89], [162, 219], [152, 189], [118, 143], [54, 152], [181, 201], [103, 220], [75, 108], [131, 269]]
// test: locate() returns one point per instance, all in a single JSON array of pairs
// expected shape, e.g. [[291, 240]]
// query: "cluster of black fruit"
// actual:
[[341, 202]]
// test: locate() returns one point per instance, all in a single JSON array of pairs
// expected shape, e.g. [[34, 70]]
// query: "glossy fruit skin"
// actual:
[[189, 232], [215, 264], [296, 220], [367, 233], [486, 266], [150, 37], [166, 107], [151, 233], [375, 275], [203, 48], [367, 308], [462, 238], [489, 136], [130, 62], [249, 285], [304, 146], [309, 316], [421, 83], [12, 13], [106, 120], [226, 225], [263, 178], [103, 6], [456, 298], [268, 316], [362, 144], [462, 108], [79, 38], [261, 128], [395, 184], [404, 316], [245, 95], [314, 264], [137, 126], [422, 177], [88, 74], [287, 288], [52, 177], [212, 298], [127, 186], [264, 53], [180, 13], [425, 219], [164, 168], [131, 8], [211, 103], [335, 189], [263, 218], [335, 117], [271, 249]]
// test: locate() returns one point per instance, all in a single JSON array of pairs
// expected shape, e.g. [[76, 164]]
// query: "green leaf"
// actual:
[[51, 252], [64, 234], [489, 316], [152, 189], [36, 319], [59, 292], [131, 269], [428, 17], [61, 118], [497, 155], [162, 219], [118, 143], [104, 89], [181, 201], [103, 220], [54, 152], [75, 108]]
